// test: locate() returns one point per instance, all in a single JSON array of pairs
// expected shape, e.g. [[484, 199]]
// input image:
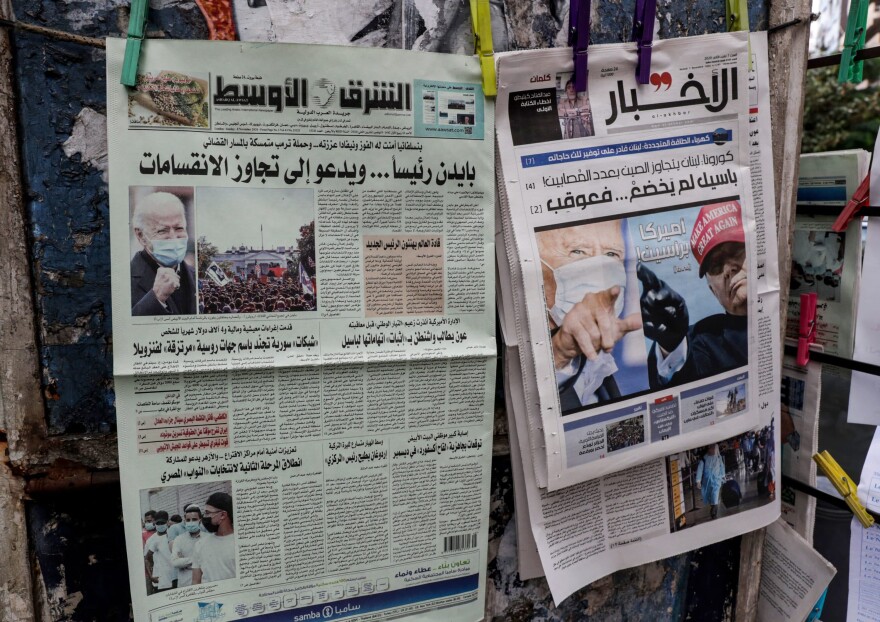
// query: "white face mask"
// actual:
[[586, 276]]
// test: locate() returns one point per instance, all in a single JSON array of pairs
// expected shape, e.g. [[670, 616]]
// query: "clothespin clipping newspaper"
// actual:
[[853, 206], [844, 485], [137, 27], [481, 20], [643, 35], [738, 19], [579, 39], [806, 328], [856, 23]]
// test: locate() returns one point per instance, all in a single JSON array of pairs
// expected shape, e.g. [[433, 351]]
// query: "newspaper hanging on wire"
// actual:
[[640, 276], [304, 331], [711, 489]]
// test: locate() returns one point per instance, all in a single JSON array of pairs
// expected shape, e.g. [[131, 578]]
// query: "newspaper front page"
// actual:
[[641, 250], [304, 330], [686, 499]]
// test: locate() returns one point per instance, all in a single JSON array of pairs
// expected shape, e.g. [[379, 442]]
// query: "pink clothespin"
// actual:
[[851, 209], [806, 328]]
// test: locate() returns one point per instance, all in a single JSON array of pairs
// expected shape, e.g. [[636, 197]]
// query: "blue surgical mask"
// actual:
[[161, 528], [193, 527], [149, 526], [169, 253]]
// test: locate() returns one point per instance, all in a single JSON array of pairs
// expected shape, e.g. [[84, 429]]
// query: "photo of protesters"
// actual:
[[162, 262], [817, 263], [203, 548], [626, 433], [587, 275], [722, 479], [261, 263], [575, 114], [695, 329]]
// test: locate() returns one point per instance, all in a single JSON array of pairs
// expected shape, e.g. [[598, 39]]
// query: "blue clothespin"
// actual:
[[137, 28], [643, 34], [856, 23], [738, 19], [816, 613], [481, 20], [579, 39]]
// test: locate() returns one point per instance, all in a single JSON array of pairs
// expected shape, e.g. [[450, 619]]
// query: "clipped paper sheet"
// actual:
[[793, 576], [864, 407], [610, 210], [304, 329]]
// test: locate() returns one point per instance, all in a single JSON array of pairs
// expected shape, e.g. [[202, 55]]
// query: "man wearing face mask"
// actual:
[[214, 554], [183, 547], [161, 282], [717, 343], [148, 531], [157, 554], [584, 281]]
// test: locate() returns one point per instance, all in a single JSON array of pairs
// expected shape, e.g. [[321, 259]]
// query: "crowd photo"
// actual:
[[188, 535], [722, 479], [626, 433], [258, 259]]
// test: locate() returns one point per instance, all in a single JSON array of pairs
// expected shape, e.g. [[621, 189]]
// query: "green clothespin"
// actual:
[[137, 28], [738, 19], [856, 23], [482, 23]]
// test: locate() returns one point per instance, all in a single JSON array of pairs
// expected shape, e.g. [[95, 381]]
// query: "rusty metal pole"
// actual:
[[19, 385]]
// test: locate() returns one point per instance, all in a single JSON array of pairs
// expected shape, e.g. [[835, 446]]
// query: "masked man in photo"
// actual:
[[161, 282], [683, 352], [584, 281]]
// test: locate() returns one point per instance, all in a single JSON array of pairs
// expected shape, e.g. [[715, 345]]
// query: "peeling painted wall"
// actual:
[[76, 539]]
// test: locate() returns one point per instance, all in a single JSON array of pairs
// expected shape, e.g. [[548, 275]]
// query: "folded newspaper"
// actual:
[[642, 268], [652, 226], [304, 330]]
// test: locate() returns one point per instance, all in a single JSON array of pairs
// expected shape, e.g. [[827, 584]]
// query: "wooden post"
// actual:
[[19, 388], [788, 49]]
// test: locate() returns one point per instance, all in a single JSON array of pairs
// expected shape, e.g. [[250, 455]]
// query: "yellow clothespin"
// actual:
[[844, 485], [482, 23], [738, 19]]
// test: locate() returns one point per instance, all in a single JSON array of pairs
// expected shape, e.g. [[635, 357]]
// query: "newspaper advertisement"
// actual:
[[823, 261], [793, 576], [648, 298], [304, 330], [685, 499], [799, 420]]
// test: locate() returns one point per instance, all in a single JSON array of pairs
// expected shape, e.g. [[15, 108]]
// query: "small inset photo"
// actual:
[[162, 260], [575, 113], [626, 433], [256, 250], [169, 98], [722, 479], [188, 535], [731, 400]]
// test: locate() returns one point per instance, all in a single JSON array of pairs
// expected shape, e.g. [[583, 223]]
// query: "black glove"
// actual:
[[664, 311]]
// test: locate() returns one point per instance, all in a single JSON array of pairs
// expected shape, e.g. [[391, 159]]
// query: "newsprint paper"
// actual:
[[643, 270], [304, 321], [715, 488]]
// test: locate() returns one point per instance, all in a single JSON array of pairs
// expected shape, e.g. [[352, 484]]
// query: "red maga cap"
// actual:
[[716, 223]]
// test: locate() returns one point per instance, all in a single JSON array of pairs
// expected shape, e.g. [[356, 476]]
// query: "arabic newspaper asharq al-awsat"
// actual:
[[662, 507], [304, 330], [627, 210]]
